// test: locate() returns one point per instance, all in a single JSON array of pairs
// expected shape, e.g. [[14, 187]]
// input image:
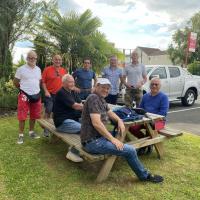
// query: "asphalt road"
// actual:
[[185, 118]]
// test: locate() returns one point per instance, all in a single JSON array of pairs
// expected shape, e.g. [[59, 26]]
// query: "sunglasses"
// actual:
[[156, 84], [32, 58]]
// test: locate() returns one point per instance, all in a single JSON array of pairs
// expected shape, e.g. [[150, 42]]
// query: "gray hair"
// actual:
[[155, 78], [66, 77]]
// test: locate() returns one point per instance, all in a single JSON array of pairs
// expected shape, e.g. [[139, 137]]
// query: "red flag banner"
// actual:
[[192, 39]]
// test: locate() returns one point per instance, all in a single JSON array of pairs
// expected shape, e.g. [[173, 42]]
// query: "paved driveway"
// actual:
[[185, 118]]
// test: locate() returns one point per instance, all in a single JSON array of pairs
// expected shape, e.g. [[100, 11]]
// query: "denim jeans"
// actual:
[[72, 127], [69, 126], [104, 146], [84, 94]]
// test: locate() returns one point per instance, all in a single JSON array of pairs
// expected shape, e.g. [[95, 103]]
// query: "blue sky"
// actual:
[[132, 23]]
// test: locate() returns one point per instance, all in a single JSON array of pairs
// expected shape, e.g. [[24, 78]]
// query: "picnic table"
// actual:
[[155, 138]]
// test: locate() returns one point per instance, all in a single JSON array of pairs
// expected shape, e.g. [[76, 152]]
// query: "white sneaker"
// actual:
[[73, 157]]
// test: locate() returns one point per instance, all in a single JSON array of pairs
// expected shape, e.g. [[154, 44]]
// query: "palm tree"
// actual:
[[77, 36]]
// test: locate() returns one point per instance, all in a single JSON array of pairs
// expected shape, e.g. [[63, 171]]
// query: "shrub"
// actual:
[[8, 94], [194, 68]]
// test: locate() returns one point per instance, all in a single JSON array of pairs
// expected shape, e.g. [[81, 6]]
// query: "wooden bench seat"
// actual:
[[169, 132], [74, 141]]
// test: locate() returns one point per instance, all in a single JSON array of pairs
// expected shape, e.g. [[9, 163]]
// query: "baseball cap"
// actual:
[[103, 81]]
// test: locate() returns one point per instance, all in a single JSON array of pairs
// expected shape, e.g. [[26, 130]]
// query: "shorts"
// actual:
[[48, 103], [133, 95], [24, 108]]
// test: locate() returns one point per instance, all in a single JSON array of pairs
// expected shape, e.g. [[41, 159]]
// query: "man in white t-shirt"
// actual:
[[27, 79]]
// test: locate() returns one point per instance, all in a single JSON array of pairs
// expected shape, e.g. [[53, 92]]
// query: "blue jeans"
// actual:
[[69, 126], [84, 94], [72, 127], [104, 146]]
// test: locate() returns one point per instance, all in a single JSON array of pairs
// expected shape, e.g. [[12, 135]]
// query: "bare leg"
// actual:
[[21, 126], [31, 124]]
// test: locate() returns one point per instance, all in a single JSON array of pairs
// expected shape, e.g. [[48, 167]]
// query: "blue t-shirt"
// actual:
[[84, 78], [113, 75], [158, 104]]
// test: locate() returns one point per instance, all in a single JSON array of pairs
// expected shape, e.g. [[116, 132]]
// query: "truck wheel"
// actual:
[[189, 98]]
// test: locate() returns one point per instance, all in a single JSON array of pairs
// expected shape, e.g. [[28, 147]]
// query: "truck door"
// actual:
[[176, 82]]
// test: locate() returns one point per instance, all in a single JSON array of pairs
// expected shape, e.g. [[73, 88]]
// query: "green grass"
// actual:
[[38, 170]]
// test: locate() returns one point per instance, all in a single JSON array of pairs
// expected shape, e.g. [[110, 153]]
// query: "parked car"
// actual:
[[176, 82]]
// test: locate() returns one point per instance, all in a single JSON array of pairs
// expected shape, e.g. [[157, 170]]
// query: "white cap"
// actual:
[[103, 81]]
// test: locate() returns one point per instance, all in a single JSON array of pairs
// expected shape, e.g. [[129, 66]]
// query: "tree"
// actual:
[[177, 49], [75, 37], [17, 20]]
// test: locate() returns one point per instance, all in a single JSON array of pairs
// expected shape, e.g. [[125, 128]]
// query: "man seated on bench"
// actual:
[[67, 112], [154, 102], [95, 137]]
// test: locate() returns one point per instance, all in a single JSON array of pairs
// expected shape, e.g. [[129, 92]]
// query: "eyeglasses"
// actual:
[[32, 58], [86, 62], [156, 84]]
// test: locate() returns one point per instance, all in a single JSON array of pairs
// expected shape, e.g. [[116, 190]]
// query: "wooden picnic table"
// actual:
[[155, 138]]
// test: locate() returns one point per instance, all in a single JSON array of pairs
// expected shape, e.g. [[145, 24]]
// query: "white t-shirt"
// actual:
[[29, 79]]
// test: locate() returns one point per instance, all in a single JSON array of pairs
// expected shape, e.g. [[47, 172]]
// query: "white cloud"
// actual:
[[131, 23]]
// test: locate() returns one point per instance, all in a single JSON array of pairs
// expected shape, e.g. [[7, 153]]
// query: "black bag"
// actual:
[[32, 98]]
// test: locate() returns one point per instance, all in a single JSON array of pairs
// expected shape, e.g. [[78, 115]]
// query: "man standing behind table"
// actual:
[[136, 77], [113, 74], [83, 78], [51, 83], [96, 138], [27, 79]]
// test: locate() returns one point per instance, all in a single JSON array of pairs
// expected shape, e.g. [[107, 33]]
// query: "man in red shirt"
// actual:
[[51, 83]]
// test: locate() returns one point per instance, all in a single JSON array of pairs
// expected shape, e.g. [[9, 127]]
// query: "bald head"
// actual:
[[113, 61], [67, 77], [134, 57], [57, 60], [68, 82]]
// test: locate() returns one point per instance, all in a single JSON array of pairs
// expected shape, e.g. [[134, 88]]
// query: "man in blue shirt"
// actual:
[[154, 102], [113, 74], [83, 78]]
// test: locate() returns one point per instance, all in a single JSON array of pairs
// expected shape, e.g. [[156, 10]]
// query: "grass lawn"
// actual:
[[38, 170]]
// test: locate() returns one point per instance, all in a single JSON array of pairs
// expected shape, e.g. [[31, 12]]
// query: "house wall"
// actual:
[[153, 60]]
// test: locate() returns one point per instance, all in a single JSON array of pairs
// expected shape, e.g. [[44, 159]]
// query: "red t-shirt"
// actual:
[[52, 77]]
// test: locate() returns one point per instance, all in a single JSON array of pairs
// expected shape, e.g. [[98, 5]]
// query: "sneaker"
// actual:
[[46, 133], [155, 178], [149, 150], [33, 135], [141, 151], [20, 140], [73, 157]]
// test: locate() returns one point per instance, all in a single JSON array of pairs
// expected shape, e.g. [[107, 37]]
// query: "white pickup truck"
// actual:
[[176, 82]]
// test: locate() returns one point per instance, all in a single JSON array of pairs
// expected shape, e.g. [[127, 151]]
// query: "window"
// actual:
[[161, 72], [174, 72]]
